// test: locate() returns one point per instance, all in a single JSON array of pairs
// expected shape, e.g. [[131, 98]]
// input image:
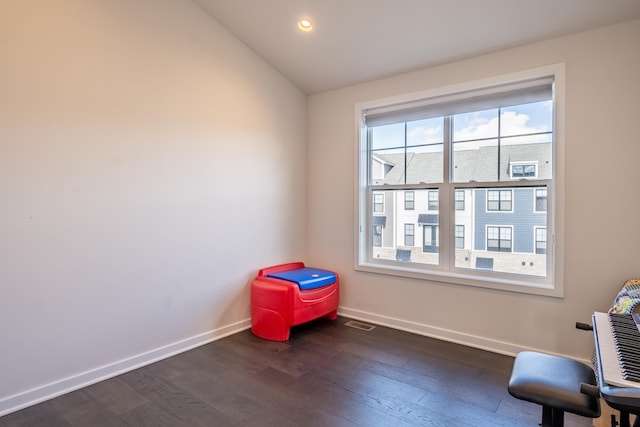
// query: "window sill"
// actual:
[[505, 283]]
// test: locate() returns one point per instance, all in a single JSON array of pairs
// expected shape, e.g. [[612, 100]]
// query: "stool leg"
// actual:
[[552, 417], [547, 417], [558, 418], [624, 419]]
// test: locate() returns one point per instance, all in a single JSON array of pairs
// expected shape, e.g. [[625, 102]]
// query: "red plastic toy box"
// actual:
[[291, 294]]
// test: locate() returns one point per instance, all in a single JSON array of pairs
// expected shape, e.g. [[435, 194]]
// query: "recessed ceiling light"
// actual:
[[305, 25]]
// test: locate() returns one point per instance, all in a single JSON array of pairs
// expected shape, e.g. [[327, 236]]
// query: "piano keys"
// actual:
[[618, 342], [617, 353]]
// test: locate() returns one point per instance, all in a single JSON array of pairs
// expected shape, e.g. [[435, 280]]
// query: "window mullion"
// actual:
[[447, 204]]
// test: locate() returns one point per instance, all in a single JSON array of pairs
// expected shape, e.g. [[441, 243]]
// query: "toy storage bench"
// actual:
[[291, 294]]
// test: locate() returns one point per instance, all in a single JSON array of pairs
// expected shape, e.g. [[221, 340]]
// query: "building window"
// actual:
[[499, 200], [481, 157], [541, 199], [409, 200], [459, 236], [403, 255], [541, 240], [409, 234], [378, 202], [523, 170], [459, 200], [499, 239], [484, 263], [433, 200]]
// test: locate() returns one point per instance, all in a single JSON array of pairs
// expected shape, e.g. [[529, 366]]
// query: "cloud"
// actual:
[[512, 123], [425, 135]]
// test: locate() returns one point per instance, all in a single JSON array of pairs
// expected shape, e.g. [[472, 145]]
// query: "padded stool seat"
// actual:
[[554, 382]]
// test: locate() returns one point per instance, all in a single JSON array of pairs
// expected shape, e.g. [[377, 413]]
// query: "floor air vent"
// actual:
[[360, 325]]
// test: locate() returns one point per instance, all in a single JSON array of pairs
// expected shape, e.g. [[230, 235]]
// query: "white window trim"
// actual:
[[383, 204], [535, 238], [498, 226], [499, 211], [555, 196], [535, 202], [533, 163]]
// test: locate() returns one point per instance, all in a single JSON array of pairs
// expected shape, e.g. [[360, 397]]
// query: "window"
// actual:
[[499, 200], [484, 263], [541, 240], [459, 200], [403, 255], [459, 236], [409, 234], [499, 239], [378, 202], [523, 170], [409, 200], [469, 164], [541, 200], [433, 200]]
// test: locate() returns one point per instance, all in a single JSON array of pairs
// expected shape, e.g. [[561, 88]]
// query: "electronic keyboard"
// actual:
[[617, 339]]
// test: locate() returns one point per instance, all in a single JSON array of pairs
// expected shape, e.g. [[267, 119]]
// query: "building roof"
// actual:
[[479, 164]]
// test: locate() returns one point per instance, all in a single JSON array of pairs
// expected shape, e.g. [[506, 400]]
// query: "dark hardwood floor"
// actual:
[[327, 374]]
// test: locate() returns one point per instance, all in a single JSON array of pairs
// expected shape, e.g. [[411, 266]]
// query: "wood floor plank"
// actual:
[[43, 414], [327, 374], [315, 394], [181, 404], [116, 395]]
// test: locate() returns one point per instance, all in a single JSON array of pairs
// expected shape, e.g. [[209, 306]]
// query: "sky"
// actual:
[[518, 120]]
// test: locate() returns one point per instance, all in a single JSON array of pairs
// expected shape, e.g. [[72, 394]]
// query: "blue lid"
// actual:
[[306, 278]]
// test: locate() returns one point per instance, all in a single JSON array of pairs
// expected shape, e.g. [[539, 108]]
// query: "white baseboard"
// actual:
[[49, 391], [434, 332]]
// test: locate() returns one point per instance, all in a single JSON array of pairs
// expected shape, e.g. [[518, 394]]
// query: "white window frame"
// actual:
[[500, 228], [535, 239], [410, 200], [535, 201], [463, 201], [499, 190], [534, 164], [374, 203], [407, 235], [456, 236], [552, 285], [431, 202]]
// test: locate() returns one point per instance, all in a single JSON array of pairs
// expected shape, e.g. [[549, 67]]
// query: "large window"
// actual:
[[470, 166]]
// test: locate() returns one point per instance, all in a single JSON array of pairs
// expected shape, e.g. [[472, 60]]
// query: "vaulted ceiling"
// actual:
[[359, 40]]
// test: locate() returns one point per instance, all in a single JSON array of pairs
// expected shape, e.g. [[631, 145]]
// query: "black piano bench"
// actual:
[[554, 382]]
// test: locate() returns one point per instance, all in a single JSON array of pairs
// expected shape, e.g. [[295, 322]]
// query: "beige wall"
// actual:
[[150, 164], [601, 204]]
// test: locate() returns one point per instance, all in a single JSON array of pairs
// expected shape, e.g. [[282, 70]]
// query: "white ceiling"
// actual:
[[359, 40]]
